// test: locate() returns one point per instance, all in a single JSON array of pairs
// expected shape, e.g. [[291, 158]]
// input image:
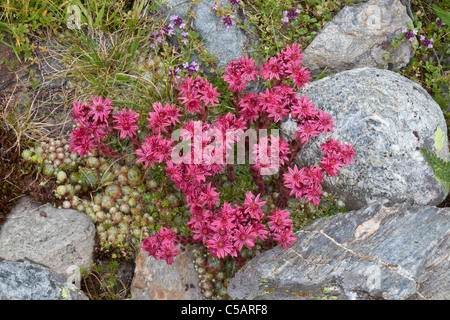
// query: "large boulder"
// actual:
[[360, 35], [27, 280], [379, 252], [62, 239], [387, 118], [156, 280]]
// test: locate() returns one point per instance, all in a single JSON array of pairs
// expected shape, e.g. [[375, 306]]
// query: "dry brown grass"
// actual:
[[22, 122]]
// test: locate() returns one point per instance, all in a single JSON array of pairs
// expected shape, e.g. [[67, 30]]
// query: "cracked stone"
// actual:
[[404, 257]]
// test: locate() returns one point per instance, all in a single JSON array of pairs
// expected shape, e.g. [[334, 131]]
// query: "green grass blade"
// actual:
[[99, 19], [442, 14]]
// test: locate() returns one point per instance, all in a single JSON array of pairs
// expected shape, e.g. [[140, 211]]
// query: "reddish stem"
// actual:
[[230, 172], [294, 148], [136, 141], [257, 178], [235, 102], [203, 116], [106, 151], [282, 199], [185, 240]]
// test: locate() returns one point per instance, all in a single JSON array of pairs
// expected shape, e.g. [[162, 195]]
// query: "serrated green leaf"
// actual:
[[441, 167]]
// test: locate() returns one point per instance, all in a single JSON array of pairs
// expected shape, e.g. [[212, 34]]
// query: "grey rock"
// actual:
[[51, 70], [387, 118], [47, 70], [406, 3], [156, 280], [13, 73], [225, 45], [378, 252], [62, 239], [26, 280], [359, 36]]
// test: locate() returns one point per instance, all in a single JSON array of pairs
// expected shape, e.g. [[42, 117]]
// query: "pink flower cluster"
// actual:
[[226, 231], [94, 123], [196, 94], [287, 65], [206, 145], [281, 100], [223, 229], [306, 183], [158, 146], [162, 245]]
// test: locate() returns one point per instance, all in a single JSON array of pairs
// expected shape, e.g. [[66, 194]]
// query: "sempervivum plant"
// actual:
[[53, 155], [226, 228], [53, 158], [114, 194], [193, 164]]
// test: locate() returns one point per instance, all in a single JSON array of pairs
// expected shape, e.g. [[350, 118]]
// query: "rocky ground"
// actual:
[[392, 244]]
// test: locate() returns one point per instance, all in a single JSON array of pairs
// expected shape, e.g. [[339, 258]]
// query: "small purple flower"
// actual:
[[174, 73], [169, 28], [193, 67], [290, 14], [177, 21], [228, 21], [234, 2], [409, 35], [427, 42], [214, 7], [439, 23]]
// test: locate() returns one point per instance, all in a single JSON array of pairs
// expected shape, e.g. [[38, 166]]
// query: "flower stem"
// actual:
[[257, 178], [230, 172], [294, 148], [282, 199], [106, 151]]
